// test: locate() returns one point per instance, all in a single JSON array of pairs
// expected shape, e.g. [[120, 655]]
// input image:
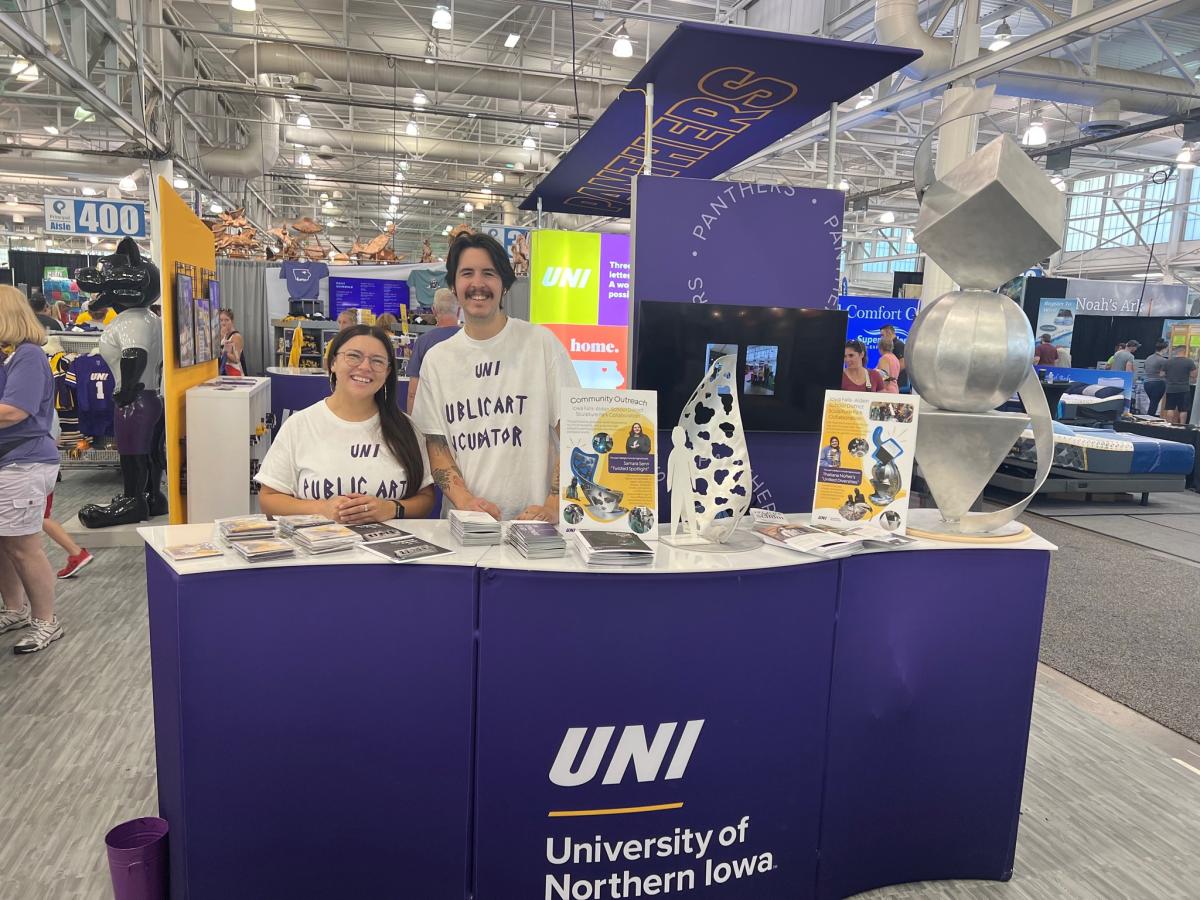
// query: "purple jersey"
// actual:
[[94, 386]]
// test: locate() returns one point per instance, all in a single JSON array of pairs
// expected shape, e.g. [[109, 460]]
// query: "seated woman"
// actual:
[[354, 457]]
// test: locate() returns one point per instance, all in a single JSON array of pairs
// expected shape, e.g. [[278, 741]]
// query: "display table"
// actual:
[[789, 727]]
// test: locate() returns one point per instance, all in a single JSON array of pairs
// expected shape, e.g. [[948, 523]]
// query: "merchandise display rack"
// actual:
[[83, 343]]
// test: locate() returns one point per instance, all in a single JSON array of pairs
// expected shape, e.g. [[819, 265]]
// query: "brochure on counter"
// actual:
[[824, 541], [864, 466], [607, 475], [613, 549], [404, 549]]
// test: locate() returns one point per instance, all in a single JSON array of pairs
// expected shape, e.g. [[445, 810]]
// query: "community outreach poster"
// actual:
[[608, 476], [864, 468]]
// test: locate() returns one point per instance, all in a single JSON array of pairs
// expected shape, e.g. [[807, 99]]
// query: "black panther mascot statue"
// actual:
[[132, 347]]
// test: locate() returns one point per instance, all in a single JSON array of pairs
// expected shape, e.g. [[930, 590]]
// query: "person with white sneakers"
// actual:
[[28, 471]]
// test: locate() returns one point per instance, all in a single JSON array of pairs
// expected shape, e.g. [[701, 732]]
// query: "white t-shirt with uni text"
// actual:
[[317, 456], [496, 404]]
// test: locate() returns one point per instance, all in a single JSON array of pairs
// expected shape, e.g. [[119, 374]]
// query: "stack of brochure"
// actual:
[[404, 547], [289, 525], [613, 549], [266, 548], [245, 528], [325, 538], [536, 540], [472, 528], [192, 551]]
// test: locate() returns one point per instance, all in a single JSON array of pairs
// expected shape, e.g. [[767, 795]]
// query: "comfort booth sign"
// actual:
[[866, 316]]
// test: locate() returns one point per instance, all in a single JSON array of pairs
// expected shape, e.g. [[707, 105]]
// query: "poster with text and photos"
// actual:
[[865, 461], [185, 321], [1056, 318], [608, 477]]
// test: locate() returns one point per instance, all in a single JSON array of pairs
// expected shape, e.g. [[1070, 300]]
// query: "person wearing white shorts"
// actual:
[[28, 471]]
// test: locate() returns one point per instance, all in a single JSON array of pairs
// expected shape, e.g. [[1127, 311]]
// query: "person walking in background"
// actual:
[[855, 376], [888, 332], [889, 366], [28, 471], [1123, 359], [1045, 353], [42, 311], [233, 356], [1180, 373], [1155, 370], [445, 307]]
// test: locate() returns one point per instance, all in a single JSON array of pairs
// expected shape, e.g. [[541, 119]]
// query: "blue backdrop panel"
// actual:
[[866, 316], [721, 94]]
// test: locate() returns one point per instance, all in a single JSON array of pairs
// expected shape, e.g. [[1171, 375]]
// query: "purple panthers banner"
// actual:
[[721, 94], [699, 241]]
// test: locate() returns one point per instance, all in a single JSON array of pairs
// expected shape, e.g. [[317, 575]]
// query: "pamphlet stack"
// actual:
[[472, 528], [536, 540], [613, 549]]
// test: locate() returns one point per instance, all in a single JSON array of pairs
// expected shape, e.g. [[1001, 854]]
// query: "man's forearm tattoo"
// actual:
[[443, 475]]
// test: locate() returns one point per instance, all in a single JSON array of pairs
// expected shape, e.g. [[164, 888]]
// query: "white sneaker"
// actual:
[[11, 619], [41, 635]]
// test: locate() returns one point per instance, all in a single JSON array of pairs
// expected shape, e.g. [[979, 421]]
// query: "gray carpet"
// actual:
[[1124, 622], [1166, 503]]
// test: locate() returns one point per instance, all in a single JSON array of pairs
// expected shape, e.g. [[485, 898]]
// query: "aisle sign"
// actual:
[[96, 216]]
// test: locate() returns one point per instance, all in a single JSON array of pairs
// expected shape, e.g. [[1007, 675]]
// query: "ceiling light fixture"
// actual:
[[243, 5], [472, 115], [843, 185], [529, 143], [887, 217], [1183, 159], [497, 177], [128, 184], [1035, 135], [181, 183], [551, 119], [511, 40], [411, 129], [51, 130], [622, 47], [393, 199], [1002, 37], [93, 240], [327, 205], [88, 191], [424, 202], [215, 209], [419, 98], [462, 215], [399, 177], [24, 70], [442, 20], [304, 160], [468, 207], [83, 114], [486, 190], [303, 121]]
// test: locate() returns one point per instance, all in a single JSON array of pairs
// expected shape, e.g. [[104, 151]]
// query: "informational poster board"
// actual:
[[380, 295], [579, 288], [608, 478], [1057, 319], [864, 466]]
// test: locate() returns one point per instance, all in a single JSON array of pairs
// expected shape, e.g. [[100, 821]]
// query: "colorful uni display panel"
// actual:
[[579, 289]]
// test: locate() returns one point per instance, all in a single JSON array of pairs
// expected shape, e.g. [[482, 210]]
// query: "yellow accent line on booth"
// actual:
[[566, 813]]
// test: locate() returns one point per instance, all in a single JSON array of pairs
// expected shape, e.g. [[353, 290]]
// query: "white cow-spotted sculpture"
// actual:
[[708, 471]]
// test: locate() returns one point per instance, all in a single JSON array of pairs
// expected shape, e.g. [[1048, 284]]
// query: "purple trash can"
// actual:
[[137, 859]]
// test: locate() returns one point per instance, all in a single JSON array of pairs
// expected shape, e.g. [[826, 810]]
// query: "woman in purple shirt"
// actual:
[[28, 471]]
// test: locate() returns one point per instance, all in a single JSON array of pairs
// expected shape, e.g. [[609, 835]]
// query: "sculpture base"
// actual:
[[929, 525], [739, 542]]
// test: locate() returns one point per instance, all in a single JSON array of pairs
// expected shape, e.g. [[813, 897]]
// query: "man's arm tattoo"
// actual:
[[444, 469]]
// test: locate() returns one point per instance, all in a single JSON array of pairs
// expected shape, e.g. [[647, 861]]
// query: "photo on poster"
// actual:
[[185, 321], [713, 352], [762, 367], [203, 330], [214, 311], [864, 464], [608, 476]]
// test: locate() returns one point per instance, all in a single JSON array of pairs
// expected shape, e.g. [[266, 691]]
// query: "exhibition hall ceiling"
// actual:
[[458, 123]]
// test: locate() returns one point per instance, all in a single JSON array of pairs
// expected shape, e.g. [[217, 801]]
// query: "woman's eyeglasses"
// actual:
[[354, 359]]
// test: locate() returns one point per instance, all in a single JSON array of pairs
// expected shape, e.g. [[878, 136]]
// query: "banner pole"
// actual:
[[833, 126], [649, 129]]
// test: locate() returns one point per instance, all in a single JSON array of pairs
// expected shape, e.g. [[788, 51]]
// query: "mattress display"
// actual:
[[1100, 451]]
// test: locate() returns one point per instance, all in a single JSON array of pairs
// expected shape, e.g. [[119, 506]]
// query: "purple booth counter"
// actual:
[[760, 724]]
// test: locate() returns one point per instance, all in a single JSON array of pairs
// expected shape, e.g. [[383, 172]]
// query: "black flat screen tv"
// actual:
[[786, 358]]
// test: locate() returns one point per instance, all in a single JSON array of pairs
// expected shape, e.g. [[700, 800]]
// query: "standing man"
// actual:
[[1155, 372], [490, 394], [889, 332], [445, 307], [1180, 374], [1122, 360]]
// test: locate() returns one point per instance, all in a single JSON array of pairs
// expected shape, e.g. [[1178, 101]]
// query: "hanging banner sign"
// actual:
[[1127, 298], [96, 216], [721, 94]]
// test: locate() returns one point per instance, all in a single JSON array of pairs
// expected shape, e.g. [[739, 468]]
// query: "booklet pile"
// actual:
[[536, 540], [253, 537], [289, 525], [473, 528], [181, 552], [325, 538], [613, 549]]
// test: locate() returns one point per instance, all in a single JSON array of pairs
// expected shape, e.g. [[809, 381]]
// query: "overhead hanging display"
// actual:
[[721, 94]]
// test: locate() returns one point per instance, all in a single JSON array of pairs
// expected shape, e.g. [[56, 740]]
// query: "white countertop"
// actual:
[[668, 560]]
